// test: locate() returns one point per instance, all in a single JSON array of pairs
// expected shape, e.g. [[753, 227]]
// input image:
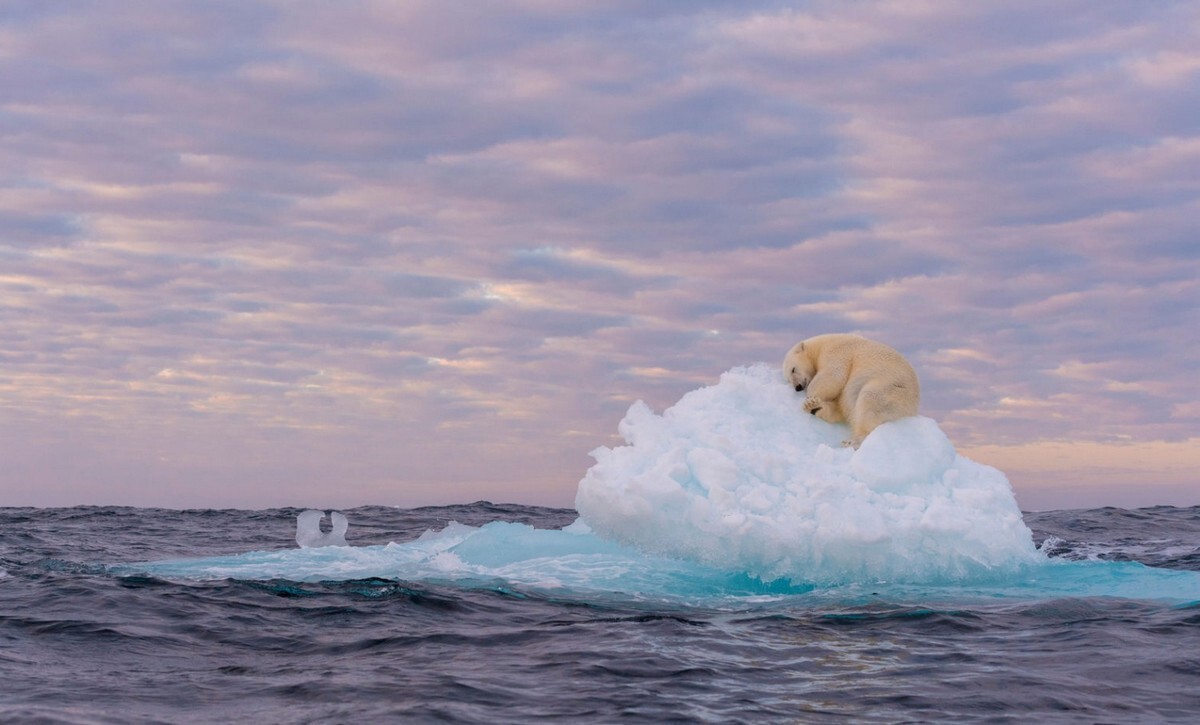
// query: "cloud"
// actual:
[[390, 250]]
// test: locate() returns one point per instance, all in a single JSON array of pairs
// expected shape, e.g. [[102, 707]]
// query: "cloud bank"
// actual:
[[266, 253]]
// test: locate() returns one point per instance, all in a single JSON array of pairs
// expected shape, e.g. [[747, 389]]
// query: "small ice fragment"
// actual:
[[309, 534]]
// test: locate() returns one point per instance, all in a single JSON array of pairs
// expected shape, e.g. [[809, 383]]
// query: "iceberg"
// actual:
[[737, 476], [736, 497]]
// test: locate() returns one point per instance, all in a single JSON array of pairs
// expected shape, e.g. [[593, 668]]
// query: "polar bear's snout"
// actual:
[[798, 372]]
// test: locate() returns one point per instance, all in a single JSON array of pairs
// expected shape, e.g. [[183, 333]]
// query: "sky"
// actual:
[[259, 253]]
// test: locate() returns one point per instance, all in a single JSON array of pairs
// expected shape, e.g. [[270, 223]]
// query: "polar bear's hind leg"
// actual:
[[877, 404]]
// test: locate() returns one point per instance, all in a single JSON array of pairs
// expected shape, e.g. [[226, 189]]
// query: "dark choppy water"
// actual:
[[81, 641]]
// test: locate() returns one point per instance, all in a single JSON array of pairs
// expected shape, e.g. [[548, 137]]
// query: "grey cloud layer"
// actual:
[[363, 234]]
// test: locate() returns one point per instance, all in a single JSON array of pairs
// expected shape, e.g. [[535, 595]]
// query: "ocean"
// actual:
[[492, 613]]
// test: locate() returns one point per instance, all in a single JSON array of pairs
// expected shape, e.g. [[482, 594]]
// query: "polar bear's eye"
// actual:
[[793, 371]]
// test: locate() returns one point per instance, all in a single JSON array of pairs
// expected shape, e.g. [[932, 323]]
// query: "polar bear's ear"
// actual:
[[802, 347]]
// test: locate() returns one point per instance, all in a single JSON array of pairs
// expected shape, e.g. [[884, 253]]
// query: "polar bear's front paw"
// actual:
[[813, 405]]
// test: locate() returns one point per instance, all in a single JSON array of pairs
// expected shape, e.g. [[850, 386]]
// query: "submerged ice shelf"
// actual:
[[736, 494], [574, 563]]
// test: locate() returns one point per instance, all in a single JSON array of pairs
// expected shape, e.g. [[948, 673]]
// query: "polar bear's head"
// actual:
[[798, 368]]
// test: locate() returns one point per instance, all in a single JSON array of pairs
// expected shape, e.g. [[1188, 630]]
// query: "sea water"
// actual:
[[731, 562]]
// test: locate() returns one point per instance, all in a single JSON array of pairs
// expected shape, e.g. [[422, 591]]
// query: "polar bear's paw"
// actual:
[[813, 405]]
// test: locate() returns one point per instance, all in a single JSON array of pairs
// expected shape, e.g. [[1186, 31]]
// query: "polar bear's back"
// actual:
[[870, 359]]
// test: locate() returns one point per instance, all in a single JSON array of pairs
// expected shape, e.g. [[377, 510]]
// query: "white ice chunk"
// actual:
[[737, 476], [309, 534], [902, 453]]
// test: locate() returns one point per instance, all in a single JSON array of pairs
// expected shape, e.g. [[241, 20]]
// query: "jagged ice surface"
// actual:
[[738, 476]]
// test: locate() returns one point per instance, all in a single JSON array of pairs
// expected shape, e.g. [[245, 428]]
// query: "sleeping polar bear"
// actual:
[[853, 380]]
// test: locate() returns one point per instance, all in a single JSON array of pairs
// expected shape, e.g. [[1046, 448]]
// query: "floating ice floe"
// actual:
[[736, 494]]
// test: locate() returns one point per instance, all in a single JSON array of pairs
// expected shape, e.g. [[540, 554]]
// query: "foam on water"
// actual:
[[736, 494]]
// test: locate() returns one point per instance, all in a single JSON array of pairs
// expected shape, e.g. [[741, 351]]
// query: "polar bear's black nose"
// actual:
[[799, 387]]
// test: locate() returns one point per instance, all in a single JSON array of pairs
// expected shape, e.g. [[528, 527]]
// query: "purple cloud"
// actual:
[[257, 254]]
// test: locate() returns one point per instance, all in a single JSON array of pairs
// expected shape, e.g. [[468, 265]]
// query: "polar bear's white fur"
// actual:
[[850, 379]]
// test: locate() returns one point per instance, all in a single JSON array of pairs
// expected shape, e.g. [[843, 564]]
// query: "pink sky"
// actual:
[[266, 254]]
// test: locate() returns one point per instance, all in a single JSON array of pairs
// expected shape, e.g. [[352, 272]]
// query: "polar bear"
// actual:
[[853, 380]]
